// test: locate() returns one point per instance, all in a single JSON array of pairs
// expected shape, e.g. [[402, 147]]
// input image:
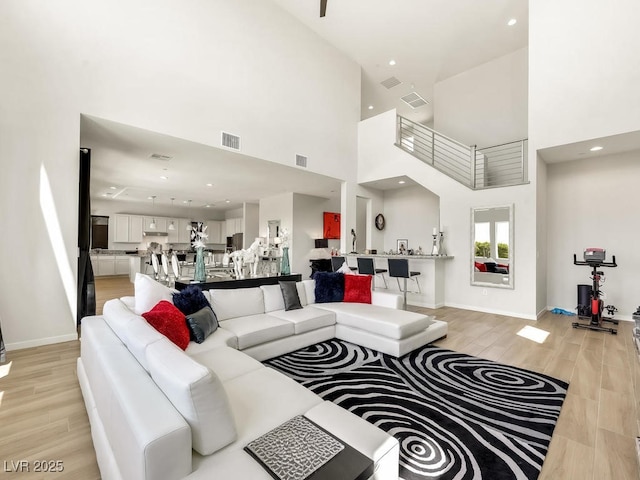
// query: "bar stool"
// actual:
[[399, 268], [366, 267], [336, 263]]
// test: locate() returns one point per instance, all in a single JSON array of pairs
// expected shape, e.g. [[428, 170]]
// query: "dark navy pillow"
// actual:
[[329, 287], [190, 300]]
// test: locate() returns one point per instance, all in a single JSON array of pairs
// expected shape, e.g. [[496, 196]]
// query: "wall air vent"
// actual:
[[230, 141], [414, 100], [390, 82], [159, 156], [301, 161]]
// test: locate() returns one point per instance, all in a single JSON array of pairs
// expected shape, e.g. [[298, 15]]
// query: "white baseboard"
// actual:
[[38, 342], [491, 310], [622, 318]]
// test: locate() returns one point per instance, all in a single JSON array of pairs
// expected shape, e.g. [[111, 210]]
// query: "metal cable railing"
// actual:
[[495, 166]]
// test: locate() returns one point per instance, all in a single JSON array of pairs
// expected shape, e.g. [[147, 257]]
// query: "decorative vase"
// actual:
[[286, 268], [200, 274]]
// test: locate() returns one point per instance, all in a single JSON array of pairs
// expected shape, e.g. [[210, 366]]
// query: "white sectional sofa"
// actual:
[[158, 412]]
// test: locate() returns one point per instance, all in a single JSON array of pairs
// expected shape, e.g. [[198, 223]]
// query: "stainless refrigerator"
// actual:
[[237, 241]]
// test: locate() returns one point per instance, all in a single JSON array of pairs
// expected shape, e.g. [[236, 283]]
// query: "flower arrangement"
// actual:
[[284, 237], [199, 235]]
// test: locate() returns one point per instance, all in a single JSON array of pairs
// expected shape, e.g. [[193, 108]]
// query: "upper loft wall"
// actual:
[[584, 70], [379, 159], [486, 105], [188, 70]]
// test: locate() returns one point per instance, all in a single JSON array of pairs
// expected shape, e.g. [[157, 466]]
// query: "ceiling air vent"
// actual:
[[301, 161], [390, 82], [414, 100], [159, 156], [230, 141]]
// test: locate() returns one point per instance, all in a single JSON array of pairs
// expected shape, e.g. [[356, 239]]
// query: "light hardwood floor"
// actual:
[[42, 414]]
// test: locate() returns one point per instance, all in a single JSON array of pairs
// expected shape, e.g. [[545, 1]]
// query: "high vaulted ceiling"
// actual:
[[429, 40]]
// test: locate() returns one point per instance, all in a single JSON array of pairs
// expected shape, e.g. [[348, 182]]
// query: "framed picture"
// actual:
[[331, 225], [403, 246]]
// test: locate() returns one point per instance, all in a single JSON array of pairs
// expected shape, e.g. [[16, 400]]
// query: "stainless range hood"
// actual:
[[153, 233]]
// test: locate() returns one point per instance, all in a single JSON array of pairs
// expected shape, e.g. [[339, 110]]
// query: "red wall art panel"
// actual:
[[331, 226]]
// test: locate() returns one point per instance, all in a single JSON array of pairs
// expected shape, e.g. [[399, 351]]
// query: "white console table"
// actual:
[[431, 278]]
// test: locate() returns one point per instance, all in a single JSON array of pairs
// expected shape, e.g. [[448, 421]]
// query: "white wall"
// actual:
[[379, 158], [584, 70], [542, 238], [307, 222], [595, 204], [410, 213], [245, 66], [486, 105]]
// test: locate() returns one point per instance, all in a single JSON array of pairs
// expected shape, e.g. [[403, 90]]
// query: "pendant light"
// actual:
[[153, 225], [188, 228], [171, 225]]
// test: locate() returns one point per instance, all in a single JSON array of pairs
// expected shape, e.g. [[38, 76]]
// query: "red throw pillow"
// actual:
[[169, 321], [357, 288], [481, 267]]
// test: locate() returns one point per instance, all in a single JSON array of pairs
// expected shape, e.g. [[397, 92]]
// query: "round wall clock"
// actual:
[[380, 221]]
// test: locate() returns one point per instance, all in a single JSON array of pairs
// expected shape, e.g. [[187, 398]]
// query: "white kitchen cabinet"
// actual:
[[94, 264], [161, 224], [106, 265], [233, 225], [216, 229], [128, 228], [122, 265], [173, 236], [184, 233]]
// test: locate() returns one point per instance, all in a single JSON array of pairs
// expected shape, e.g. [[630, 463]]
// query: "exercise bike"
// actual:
[[594, 258]]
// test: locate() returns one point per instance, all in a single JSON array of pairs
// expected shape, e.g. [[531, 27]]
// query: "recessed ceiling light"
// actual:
[[163, 177], [208, 206], [595, 149], [392, 62], [209, 184], [370, 107], [512, 22], [401, 182], [227, 201], [185, 201], [150, 198], [113, 188]]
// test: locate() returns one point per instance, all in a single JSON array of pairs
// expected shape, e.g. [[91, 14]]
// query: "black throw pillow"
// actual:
[[290, 296], [190, 300], [202, 324], [329, 287]]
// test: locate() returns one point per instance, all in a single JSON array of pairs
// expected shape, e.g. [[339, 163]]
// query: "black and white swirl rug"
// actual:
[[455, 416]]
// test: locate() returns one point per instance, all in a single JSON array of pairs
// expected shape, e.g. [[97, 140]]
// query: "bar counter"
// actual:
[[431, 278]]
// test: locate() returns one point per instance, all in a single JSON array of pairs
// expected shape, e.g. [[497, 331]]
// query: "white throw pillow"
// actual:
[[272, 298], [302, 294], [148, 293], [345, 269], [196, 392]]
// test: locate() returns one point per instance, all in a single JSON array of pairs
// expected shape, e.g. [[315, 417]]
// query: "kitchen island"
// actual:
[[431, 278]]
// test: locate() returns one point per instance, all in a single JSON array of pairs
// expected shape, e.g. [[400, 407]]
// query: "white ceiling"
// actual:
[[122, 170], [430, 40]]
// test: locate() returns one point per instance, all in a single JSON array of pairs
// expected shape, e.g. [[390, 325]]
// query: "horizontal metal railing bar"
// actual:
[[438, 134], [458, 154], [487, 167], [502, 144]]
